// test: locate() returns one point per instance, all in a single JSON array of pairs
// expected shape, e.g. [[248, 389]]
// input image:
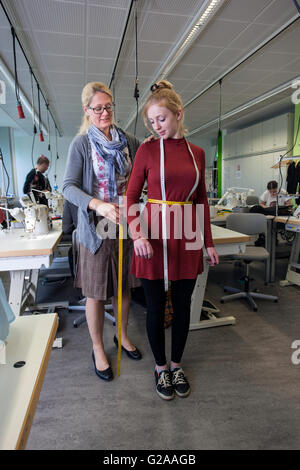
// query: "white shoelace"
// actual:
[[178, 377], [164, 379]]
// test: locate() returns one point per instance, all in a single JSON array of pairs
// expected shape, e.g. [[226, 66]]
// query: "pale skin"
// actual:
[[167, 125], [94, 307]]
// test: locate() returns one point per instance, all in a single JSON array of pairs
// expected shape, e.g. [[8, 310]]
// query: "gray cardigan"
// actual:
[[78, 186]]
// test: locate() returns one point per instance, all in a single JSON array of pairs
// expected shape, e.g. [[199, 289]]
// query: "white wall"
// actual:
[[22, 153], [6, 151], [209, 149], [250, 153], [252, 172]]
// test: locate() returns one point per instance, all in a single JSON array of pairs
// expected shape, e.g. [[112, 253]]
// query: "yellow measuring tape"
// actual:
[[120, 273], [169, 203]]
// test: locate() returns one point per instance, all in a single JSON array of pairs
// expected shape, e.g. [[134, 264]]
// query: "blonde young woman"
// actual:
[[98, 166], [174, 170]]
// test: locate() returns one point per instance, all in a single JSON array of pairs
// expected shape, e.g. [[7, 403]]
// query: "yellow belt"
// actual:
[[169, 203]]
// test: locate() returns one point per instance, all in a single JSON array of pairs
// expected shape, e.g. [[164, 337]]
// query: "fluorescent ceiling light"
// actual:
[[247, 105], [207, 11], [198, 26]]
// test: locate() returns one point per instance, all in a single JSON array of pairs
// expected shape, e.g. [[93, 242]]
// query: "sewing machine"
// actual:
[[34, 217], [56, 203], [234, 197]]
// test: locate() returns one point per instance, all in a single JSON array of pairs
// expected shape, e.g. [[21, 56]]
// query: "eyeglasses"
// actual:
[[100, 109]]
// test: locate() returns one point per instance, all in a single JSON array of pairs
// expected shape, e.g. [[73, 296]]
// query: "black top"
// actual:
[[36, 180]]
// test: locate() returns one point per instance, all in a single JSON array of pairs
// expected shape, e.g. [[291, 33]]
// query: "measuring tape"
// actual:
[[165, 203], [120, 275]]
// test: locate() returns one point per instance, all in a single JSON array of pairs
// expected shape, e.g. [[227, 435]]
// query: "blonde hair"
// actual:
[[86, 97], [163, 94]]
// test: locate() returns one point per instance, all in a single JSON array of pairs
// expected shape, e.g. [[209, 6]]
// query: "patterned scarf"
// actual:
[[111, 152]]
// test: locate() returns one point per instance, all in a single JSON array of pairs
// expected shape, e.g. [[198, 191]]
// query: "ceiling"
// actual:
[[71, 42]]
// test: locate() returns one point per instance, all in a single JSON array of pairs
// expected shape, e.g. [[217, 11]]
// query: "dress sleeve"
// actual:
[[201, 198], [136, 182]]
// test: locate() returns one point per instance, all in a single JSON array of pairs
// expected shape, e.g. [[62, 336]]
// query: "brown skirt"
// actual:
[[97, 275]]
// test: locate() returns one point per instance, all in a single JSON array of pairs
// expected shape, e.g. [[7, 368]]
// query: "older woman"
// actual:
[[98, 166]]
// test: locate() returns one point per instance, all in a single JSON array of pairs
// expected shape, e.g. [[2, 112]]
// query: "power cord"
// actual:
[[136, 89], [297, 6]]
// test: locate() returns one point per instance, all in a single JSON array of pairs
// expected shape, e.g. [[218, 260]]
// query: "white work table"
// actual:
[[19, 254], [227, 242], [30, 340]]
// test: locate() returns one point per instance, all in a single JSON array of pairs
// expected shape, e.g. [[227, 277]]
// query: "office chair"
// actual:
[[252, 200], [81, 304], [249, 224]]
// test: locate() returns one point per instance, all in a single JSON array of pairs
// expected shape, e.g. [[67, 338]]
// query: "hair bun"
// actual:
[[160, 85]]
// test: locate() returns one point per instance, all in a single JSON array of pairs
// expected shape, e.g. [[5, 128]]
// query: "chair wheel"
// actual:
[[222, 301], [276, 301], [75, 326], [255, 309]]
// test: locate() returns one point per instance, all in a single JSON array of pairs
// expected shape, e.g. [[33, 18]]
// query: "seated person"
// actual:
[[267, 205], [269, 197], [37, 180]]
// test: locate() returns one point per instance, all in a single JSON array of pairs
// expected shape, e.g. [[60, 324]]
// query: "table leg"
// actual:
[[17, 279], [269, 248], [273, 251], [292, 276], [196, 305], [33, 282]]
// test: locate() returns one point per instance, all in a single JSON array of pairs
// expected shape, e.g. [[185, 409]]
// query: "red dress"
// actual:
[[180, 177]]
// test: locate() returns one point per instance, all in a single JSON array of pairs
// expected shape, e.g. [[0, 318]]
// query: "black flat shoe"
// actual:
[[106, 374], [135, 354]]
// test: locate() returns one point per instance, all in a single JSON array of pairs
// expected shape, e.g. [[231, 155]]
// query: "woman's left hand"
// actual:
[[213, 256]]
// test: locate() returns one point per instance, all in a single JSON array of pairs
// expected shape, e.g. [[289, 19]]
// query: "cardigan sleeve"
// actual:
[[73, 179], [201, 198], [136, 182]]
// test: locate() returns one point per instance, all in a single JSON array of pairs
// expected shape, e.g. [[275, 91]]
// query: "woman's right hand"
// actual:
[[143, 248], [108, 210]]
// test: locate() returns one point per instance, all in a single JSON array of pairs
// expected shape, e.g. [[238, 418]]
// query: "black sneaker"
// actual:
[[180, 383], [164, 386]]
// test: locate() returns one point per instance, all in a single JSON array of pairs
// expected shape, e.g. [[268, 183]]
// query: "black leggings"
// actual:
[[181, 292]]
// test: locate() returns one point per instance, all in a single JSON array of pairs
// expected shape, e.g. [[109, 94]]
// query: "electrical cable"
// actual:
[[49, 144], [297, 6], [215, 169], [22, 49], [39, 105], [32, 148], [57, 158], [136, 89], [4, 167], [121, 44], [33, 117], [8, 179], [17, 87], [32, 102]]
